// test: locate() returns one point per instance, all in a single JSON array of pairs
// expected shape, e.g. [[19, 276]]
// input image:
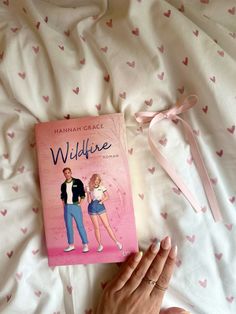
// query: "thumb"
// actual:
[[174, 310]]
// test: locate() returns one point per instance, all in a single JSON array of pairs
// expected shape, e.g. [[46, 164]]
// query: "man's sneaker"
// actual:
[[85, 248], [119, 245], [69, 248], [100, 248]]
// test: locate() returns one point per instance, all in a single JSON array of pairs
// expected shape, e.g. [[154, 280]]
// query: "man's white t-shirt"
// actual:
[[69, 192]]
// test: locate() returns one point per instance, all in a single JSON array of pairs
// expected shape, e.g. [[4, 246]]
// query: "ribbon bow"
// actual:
[[172, 114]]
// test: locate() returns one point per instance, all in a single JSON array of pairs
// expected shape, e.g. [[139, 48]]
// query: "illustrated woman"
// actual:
[[96, 196]]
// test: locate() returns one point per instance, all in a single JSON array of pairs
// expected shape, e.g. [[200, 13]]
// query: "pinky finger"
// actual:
[[126, 271]]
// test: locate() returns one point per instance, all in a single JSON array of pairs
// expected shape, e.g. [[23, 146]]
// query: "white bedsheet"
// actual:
[[74, 58]]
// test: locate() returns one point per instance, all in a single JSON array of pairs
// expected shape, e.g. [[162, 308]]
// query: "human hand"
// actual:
[[140, 285]]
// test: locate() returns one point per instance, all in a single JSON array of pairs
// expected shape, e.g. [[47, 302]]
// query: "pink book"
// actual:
[[86, 191]]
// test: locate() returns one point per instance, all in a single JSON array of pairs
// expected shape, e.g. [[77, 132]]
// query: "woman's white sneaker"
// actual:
[[119, 245], [100, 248]]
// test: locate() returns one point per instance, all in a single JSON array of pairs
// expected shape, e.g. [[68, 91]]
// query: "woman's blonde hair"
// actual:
[[92, 181]]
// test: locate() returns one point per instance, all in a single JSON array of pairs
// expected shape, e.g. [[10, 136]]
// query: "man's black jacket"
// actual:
[[77, 191]]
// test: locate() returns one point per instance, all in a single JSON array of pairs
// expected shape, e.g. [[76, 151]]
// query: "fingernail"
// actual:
[[173, 252], [155, 247], [166, 243], [138, 256], [185, 312]]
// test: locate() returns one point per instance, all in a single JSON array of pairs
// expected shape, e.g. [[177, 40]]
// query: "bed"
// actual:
[[65, 59]]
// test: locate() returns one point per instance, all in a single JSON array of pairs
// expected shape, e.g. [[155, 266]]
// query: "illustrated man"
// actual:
[[72, 193]]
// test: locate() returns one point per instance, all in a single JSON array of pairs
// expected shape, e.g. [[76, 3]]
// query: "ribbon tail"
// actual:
[[173, 174], [202, 172]]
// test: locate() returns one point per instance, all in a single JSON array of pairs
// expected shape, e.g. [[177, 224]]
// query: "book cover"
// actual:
[[86, 191]]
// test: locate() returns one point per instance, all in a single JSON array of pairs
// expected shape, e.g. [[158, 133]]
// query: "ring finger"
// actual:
[[142, 268], [156, 268], [158, 291]]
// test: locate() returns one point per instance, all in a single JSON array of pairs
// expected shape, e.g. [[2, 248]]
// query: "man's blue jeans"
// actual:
[[74, 211]]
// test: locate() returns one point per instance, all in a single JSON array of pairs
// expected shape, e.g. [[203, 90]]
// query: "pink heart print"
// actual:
[[123, 95], [151, 170], [4, 212], [38, 293], [22, 75], [104, 49], [185, 61], [19, 276], [231, 129], [220, 153], [35, 210], [221, 53], [167, 13], [35, 49], [213, 79], [161, 48], [109, 23], [9, 254], [107, 78], [178, 262], [11, 134], [176, 190], [181, 90], [203, 283], [164, 215], [205, 109], [69, 289], [181, 9], [34, 252], [76, 90], [131, 64], [229, 226], [191, 238], [99, 107], [67, 33], [232, 199], [141, 196], [135, 31], [218, 256], [149, 102], [46, 98], [163, 141], [15, 188], [161, 76], [232, 11], [230, 299], [8, 297], [24, 230]]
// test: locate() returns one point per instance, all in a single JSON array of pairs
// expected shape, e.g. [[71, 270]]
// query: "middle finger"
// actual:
[[142, 267], [156, 267]]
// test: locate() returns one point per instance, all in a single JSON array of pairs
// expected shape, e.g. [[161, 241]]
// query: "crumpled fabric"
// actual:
[[68, 59]]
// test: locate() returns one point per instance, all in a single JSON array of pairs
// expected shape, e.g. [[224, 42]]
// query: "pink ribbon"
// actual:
[[172, 114]]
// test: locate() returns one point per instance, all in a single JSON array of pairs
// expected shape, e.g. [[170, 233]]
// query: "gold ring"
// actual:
[[160, 287], [150, 281]]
